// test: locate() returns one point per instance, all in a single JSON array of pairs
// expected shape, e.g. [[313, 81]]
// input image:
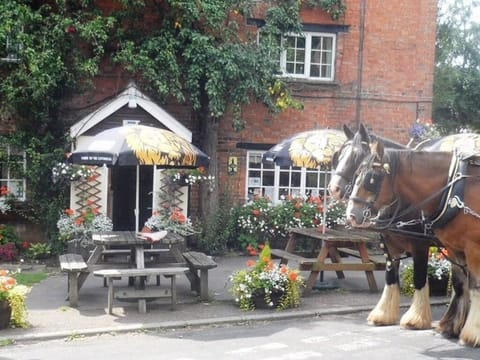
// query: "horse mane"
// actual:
[[388, 142]]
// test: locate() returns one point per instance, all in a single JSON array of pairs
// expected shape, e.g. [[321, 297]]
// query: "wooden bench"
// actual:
[[304, 264], [199, 264], [378, 259], [73, 265], [141, 294]]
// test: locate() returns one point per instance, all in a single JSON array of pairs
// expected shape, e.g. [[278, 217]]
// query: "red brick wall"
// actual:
[[396, 65]]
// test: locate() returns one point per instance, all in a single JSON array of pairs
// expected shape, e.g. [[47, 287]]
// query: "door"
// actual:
[[123, 185], [123, 197]]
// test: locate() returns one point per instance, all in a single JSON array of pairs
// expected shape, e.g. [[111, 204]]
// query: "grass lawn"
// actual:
[[30, 278]]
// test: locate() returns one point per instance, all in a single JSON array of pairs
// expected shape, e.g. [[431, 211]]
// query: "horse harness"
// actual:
[[452, 196]]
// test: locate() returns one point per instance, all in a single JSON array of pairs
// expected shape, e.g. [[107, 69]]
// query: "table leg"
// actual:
[[140, 281], [372, 284], [336, 258], [312, 278]]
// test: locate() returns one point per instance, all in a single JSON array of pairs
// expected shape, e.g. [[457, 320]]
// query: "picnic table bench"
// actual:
[[199, 264], [73, 265], [144, 293]]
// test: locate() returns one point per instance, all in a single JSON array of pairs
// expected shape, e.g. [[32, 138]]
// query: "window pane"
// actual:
[[254, 174], [314, 71], [290, 55], [300, 56], [326, 71], [255, 161], [311, 180], [300, 42], [326, 58], [315, 57], [268, 178], [296, 177], [284, 179], [16, 188], [299, 69], [316, 42], [327, 43]]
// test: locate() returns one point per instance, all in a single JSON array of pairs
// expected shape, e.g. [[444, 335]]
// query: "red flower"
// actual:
[[256, 212], [69, 212], [25, 245]]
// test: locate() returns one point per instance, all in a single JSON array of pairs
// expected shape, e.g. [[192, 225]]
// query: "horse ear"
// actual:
[[378, 150], [348, 133], [363, 131]]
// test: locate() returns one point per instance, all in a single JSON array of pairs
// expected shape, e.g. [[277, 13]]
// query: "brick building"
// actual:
[[374, 66], [380, 73]]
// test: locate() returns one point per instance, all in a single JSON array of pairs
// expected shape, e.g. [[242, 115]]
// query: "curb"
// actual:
[[197, 323]]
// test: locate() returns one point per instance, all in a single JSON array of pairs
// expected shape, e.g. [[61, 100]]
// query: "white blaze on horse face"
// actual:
[[338, 184], [352, 212]]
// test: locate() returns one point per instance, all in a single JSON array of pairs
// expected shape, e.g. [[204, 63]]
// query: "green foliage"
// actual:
[[57, 46], [7, 235], [17, 299], [438, 268], [38, 251], [218, 234], [45, 198], [262, 221], [457, 72]]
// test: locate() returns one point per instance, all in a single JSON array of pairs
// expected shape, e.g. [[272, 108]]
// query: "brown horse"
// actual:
[[447, 195], [387, 310]]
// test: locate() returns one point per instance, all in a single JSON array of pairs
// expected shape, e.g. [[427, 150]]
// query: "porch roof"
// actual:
[[133, 97]]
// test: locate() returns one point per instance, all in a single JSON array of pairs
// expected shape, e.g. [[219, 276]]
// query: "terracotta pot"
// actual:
[[5, 314]]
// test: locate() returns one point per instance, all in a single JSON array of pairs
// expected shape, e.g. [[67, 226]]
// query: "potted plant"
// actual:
[[76, 229], [13, 308], [172, 220], [438, 274], [266, 284]]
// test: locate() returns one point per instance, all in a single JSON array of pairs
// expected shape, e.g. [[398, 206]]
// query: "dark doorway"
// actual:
[[123, 181]]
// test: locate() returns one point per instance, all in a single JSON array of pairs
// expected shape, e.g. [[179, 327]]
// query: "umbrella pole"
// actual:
[[324, 220], [137, 198]]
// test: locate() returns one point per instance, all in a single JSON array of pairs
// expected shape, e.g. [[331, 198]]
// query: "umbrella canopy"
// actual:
[[138, 145], [309, 149]]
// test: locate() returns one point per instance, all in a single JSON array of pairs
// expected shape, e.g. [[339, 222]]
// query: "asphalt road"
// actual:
[[330, 337]]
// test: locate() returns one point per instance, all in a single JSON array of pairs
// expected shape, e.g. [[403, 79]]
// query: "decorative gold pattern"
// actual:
[[160, 148], [313, 149]]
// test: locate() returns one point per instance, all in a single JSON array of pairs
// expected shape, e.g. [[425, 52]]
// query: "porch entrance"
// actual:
[[123, 186]]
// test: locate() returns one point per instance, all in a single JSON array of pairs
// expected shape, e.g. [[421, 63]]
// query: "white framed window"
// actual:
[[278, 182], [12, 168], [310, 55]]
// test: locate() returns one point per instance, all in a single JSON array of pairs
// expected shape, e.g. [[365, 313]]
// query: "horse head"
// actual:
[[347, 159], [372, 194]]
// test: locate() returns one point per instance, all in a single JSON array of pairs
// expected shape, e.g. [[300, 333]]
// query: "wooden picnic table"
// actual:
[[334, 245], [137, 244]]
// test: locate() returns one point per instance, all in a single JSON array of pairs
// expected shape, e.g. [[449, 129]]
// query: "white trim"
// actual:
[[123, 99]]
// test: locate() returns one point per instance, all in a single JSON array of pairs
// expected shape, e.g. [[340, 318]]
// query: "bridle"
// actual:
[[370, 175], [357, 153]]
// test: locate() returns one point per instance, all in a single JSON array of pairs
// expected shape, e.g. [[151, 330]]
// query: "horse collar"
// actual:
[[452, 196]]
